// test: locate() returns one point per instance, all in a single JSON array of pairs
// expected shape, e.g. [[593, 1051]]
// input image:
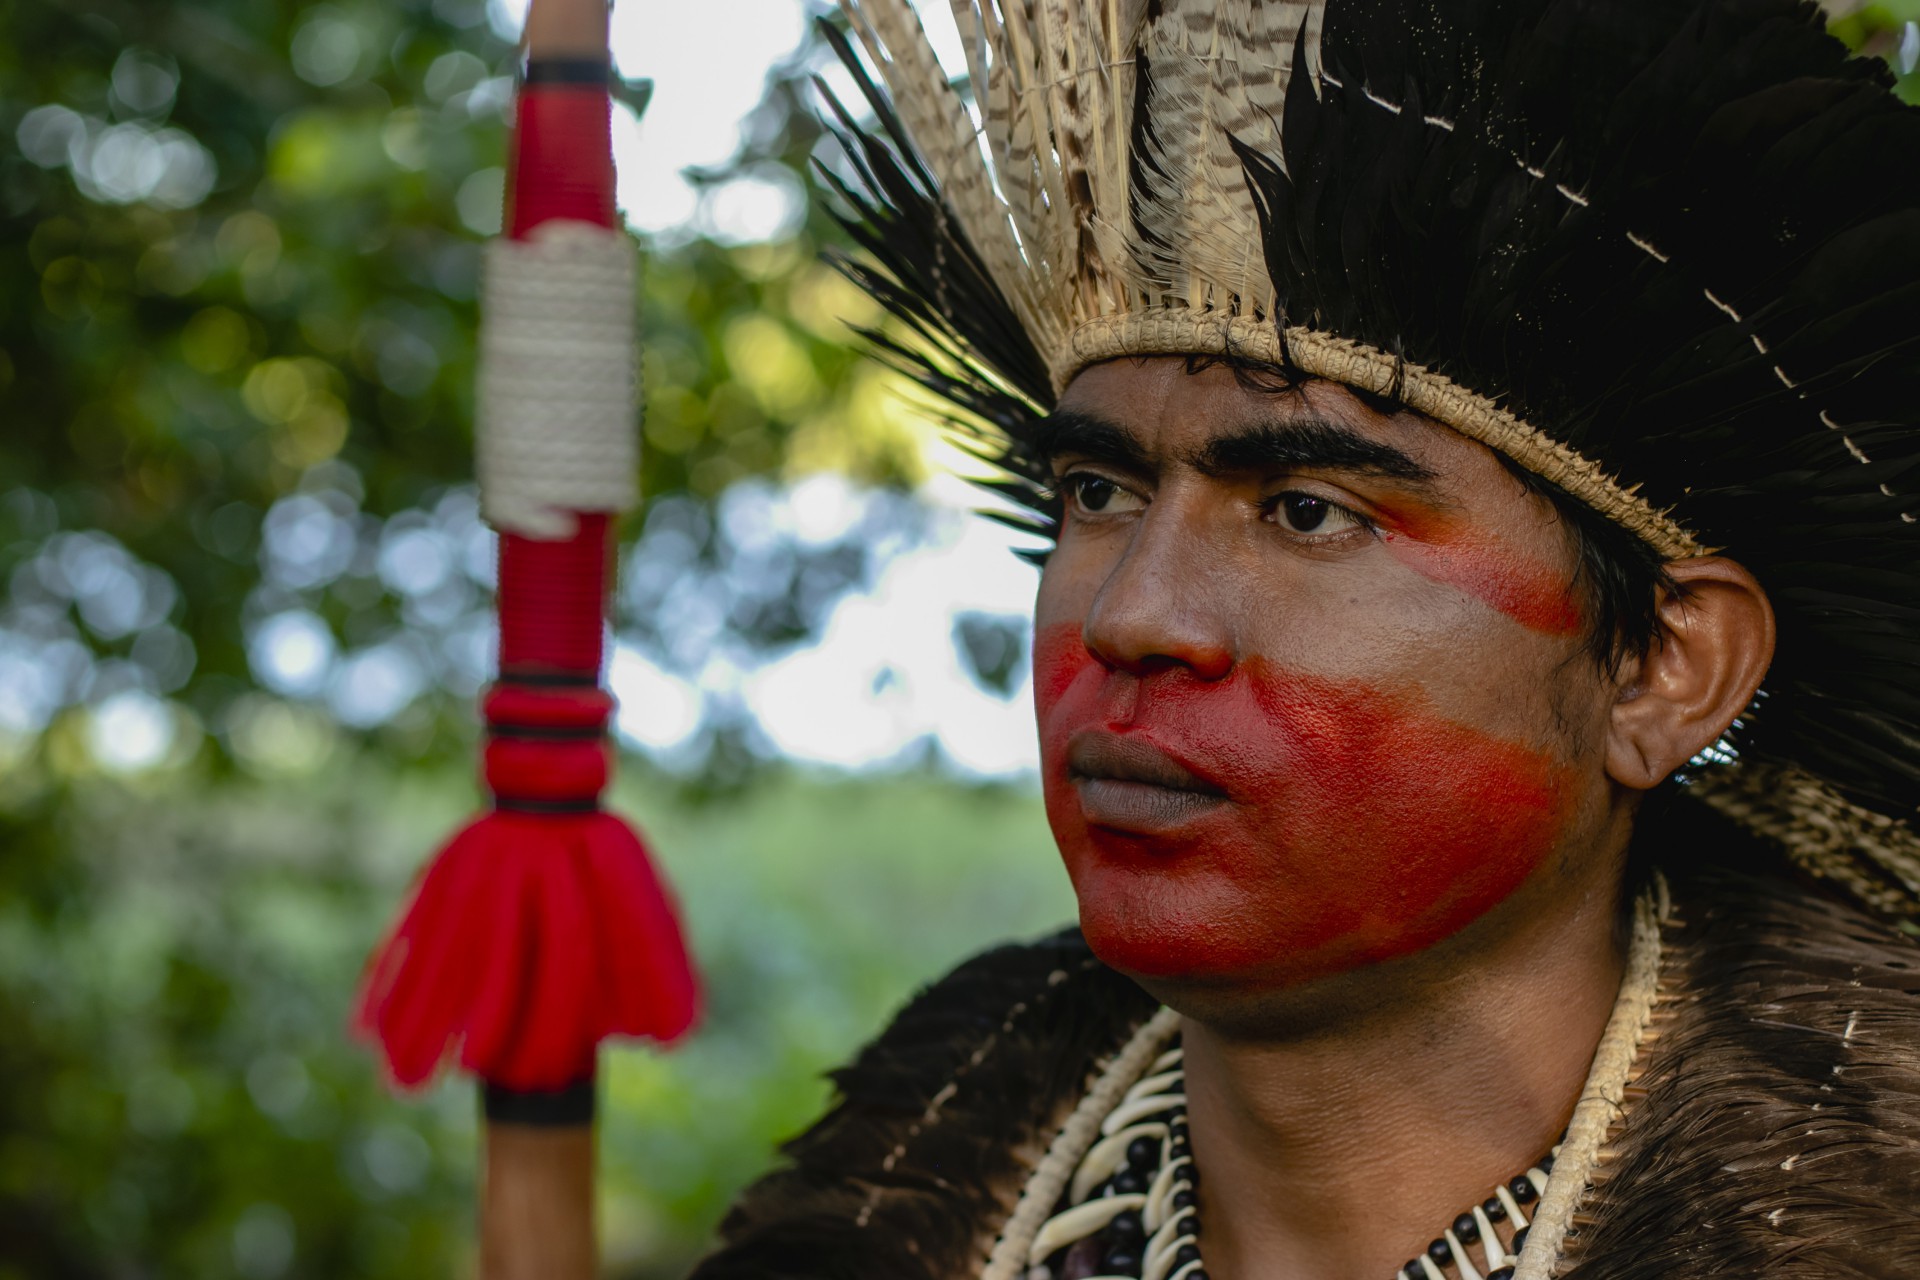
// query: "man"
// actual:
[[1476, 666]]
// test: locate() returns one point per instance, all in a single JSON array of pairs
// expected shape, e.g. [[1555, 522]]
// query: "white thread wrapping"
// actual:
[[559, 394]]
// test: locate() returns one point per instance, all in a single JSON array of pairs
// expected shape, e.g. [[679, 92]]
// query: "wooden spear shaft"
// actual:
[[536, 1206], [537, 1191]]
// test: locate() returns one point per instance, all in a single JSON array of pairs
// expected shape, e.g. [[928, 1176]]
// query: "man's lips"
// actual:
[[1129, 784]]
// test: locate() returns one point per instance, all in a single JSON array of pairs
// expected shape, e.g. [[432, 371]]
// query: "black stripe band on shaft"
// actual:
[[544, 678], [587, 71], [546, 732], [515, 804], [558, 1108]]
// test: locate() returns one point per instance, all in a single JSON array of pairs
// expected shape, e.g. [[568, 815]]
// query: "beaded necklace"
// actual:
[[1140, 1094], [1131, 1211]]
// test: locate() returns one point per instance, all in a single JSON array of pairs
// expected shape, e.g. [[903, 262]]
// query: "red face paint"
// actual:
[[1537, 596], [1357, 825]]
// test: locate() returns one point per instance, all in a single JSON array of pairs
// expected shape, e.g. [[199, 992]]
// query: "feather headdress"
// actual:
[[1664, 254]]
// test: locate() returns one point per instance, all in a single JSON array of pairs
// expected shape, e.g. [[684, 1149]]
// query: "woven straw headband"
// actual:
[[1176, 331]]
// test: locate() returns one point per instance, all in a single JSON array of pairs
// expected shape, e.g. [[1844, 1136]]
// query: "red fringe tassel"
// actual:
[[532, 937]]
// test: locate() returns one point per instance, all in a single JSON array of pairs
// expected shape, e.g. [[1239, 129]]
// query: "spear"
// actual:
[[541, 928]]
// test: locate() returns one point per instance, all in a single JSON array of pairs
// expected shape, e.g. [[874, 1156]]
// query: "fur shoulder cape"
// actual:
[[1774, 1129]]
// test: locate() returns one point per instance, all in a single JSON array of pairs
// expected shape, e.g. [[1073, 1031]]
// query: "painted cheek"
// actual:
[[1537, 596], [1359, 826], [1060, 660]]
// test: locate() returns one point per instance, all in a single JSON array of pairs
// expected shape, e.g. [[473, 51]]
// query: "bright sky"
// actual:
[[886, 675], [708, 63]]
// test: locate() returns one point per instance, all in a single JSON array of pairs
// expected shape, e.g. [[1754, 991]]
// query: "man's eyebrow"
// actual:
[[1095, 438], [1306, 442]]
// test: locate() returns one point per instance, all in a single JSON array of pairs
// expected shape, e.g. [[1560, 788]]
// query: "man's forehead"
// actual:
[[1167, 396], [1169, 411]]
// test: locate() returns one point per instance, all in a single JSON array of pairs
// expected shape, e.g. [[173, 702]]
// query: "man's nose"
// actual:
[[1158, 608]]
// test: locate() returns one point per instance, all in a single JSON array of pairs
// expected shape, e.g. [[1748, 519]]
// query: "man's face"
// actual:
[[1310, 678]]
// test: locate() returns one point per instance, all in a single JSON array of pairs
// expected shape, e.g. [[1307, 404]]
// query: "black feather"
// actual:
[[1519, 253], [1681, 236]]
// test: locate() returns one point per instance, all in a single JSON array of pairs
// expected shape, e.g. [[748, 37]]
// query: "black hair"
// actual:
[[1621, 579]]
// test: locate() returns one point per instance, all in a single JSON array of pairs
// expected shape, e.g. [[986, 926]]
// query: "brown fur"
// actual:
[[1774, 1129]]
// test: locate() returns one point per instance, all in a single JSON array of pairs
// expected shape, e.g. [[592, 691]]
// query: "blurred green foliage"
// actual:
[[1887, 29], [241, 242], [180, 1097]]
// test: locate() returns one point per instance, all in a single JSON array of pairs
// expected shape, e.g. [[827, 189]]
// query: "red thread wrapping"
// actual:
[[562, 161], [531, 771], [552, 600], [522, 707]]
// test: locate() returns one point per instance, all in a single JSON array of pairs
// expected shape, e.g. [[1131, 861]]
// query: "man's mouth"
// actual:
[[1129, 784]]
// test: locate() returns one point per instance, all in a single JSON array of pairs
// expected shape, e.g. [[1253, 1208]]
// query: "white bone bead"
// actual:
[[1496, 1253], [1131, 1112], [1162, 1243], [1078, 1223], [1161, 1192], [1106, 1157], [1460, 1256], [1159, 1264], [1512, 1206], [1154, 1084]]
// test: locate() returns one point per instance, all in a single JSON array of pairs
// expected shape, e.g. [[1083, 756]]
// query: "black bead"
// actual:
[[1413, 1270], [1519, 1241], [1143, 1153], [1121, 1262], [1546, 1163], [1522, 1188], [1494, 1209], [1185, 1199], [1466, 1228], [1186, 1253], [1129, 1182], [1179, 1147], [1441, 1253], [1504, 1273], [1198, 1273], [1127, 1228]]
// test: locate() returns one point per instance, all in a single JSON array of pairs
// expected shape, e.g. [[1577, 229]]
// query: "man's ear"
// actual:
[[1715, 641]]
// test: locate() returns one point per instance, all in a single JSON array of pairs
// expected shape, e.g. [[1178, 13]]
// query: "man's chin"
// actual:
[[1235, 990], [1204, 932], [1146, 940]]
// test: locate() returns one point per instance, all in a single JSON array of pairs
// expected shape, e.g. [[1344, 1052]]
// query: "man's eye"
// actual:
[[1304, 513], [1098, 495]]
